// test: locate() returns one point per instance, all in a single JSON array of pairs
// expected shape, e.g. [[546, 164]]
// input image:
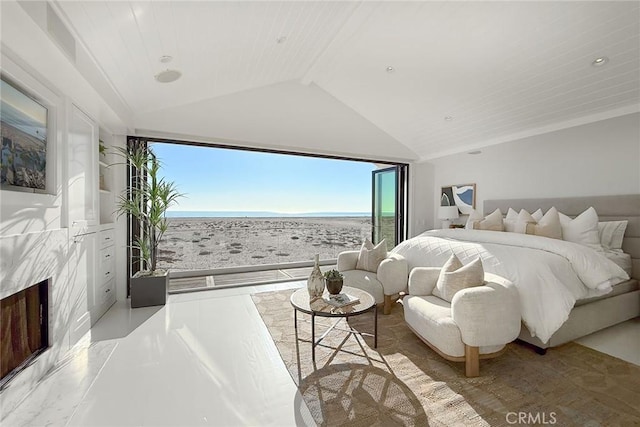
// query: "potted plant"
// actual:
[[102, 148], [333, 281], [147, 203]]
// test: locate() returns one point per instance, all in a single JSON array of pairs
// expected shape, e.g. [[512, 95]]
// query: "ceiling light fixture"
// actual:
[[168, 76], [448, 118], [165, 59], [390, 69], [598, 62]]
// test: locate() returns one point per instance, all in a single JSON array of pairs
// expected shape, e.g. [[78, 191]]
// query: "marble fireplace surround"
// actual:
[[25, 260]]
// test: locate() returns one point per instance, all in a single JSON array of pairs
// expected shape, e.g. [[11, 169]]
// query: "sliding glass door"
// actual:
[[388, 205]]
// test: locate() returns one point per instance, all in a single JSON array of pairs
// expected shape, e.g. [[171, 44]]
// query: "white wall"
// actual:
[[601, 158], [421, 202]]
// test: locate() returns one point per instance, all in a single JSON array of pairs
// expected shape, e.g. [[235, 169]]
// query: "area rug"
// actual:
[[403, 382]]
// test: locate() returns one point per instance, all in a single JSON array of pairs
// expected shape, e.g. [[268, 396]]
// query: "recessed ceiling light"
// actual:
[[474, 152], [448, 118], [165, 59], [281, 39], [598, 62], [168, 76], [390, 69]]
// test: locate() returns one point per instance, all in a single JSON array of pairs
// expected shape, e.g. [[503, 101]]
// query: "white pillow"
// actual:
[[583, 229], [454, 277], [492, 222], [510, 220], [524, 219], [611, 233], [473, 217], [548, 226], [371, 256], [537, 215], [516, 222]]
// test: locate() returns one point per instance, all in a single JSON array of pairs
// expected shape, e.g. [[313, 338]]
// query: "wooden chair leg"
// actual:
[[472, 361], [387, 304]]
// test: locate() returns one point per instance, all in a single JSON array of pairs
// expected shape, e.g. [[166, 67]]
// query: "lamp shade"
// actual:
[[448, 212]]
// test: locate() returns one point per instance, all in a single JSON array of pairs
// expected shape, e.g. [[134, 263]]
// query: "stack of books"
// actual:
[[341, 300]]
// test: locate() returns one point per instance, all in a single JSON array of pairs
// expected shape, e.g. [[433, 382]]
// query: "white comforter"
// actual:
[[550, 274]]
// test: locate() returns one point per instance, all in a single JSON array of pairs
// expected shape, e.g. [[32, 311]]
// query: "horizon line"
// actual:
[[268, 214], [260, 211]]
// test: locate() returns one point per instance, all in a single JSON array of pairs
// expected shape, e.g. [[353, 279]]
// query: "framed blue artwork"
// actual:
[[463, 196], [23, 124]]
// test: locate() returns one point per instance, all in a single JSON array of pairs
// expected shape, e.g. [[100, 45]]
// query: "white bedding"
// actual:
[[620, 258], [550, 274]]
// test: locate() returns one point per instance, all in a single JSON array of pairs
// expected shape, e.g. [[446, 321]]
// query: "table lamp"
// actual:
[[446, 214]]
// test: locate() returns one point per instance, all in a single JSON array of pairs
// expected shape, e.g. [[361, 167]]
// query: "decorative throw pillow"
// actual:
[[473, 217], [509, 221], [524, 219], [454, 277], [537, 215], [492, 222], [583, 229], [516, 222], [371, 256], [611, 233], [547, 226]]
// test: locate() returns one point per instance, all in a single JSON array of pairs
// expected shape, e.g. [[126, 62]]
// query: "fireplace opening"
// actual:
[[24, 327]]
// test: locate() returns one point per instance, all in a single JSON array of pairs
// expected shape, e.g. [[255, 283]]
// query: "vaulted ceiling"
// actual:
[[315, 76]]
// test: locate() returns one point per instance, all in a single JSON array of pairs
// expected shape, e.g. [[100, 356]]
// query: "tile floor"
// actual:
[[206, 358], [621, 341]]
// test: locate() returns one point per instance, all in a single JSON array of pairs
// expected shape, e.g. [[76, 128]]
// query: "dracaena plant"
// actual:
[[147, 202]]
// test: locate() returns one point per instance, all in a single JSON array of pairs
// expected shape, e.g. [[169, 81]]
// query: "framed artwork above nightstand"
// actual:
[[463, 196]]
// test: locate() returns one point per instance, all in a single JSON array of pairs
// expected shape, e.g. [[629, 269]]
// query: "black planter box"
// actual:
[[149, 290]]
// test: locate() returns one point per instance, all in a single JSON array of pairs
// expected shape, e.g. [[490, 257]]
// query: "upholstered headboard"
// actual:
[[609, 208]]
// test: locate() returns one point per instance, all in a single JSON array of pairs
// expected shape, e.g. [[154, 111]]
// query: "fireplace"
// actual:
[[24, 329]]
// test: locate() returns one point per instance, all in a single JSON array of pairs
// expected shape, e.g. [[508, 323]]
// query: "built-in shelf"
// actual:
[[103, 191]]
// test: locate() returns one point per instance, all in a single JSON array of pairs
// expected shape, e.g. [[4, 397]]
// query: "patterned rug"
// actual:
[[403, 382]]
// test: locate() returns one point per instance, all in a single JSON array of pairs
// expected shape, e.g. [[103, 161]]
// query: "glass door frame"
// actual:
[[401, 200], [134, 180]]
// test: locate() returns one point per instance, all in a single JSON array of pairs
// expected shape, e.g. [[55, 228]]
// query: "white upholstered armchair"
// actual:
[[477, 324], [385, 284]]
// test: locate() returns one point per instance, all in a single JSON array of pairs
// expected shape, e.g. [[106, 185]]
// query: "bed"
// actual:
[[558, 305]]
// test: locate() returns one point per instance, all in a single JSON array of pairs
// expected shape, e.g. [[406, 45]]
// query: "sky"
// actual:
[[22, 112], [235, 180]]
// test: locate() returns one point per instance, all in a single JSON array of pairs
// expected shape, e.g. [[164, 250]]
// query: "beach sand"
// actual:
[[209, 243]]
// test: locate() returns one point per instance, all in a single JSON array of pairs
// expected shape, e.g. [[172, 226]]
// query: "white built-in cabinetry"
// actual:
[[104, 294], [91, 206], [82, 266], [81, 171]]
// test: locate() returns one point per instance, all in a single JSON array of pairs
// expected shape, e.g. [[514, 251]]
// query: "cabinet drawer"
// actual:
[[107, 238], [104, 292], [106, 271], [107, 255]]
